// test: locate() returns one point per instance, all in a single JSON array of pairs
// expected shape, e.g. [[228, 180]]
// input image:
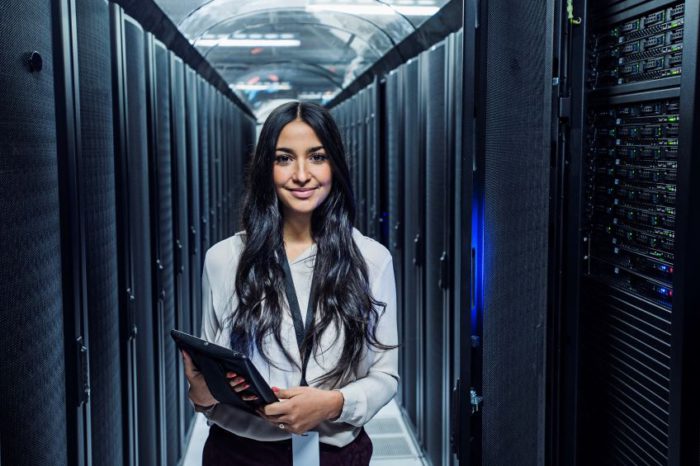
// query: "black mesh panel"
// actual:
[[139, 222], [33, 428], [203, 123], [194, 232], [394, 133], [436, 221], [180, 220], [516, 185], [165, 246], [99, 210], [412, 187]]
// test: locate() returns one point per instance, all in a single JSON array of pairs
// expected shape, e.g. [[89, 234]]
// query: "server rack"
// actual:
[[160, 169], [204, 169], [104, 139], [97, 197], [180, 217], [422, 165], [437, 225], [413, 234], [634, 77], [193, 201], [393, 149], [136, 264], [69, 146], [373, 161]]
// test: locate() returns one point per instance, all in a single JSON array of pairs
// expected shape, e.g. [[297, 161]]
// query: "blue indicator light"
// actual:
[[663, 268], [662, 290]]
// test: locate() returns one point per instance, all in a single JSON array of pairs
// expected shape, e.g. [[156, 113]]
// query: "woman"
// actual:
[[298, 216]]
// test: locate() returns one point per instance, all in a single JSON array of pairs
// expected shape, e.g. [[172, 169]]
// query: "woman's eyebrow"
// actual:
[[290, 151]]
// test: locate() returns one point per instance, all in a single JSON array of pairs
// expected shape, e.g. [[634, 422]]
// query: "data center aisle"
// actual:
[[393, 443]]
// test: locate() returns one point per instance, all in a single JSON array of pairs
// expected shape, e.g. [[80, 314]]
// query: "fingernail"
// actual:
[[275, 389]]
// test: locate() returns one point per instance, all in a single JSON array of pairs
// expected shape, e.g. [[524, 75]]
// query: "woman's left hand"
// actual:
[[301, 409]]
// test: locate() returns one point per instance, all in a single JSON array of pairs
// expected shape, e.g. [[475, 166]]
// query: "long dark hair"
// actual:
[[341, 292]]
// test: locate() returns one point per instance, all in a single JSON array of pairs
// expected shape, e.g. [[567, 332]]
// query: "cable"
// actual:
[[570, 13]]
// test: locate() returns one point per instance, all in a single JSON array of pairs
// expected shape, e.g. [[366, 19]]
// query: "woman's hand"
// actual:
[[199, 391], [301, 409], [238, 385]]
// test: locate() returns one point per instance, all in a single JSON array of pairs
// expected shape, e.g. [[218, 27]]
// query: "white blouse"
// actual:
[[365, 393]]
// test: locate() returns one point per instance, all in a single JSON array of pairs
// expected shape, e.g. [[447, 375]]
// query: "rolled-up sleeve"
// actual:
[[365, 396]]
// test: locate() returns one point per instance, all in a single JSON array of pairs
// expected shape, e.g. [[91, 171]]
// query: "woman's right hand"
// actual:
[[199, 391]]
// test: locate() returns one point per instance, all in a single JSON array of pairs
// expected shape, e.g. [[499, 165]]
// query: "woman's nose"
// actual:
[[300, 173]]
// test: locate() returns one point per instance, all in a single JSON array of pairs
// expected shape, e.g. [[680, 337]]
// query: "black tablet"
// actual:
[[214, 361]]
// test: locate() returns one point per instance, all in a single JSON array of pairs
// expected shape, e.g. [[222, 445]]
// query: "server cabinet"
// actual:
[[204, 169], [465, 440], [180, 218], [631, 194], [194, 231], [238, 156], [413, 207], [218, 110], [134, 239], [513, 169], [365, 154], [160, 169], [454, 279], [437, 225], [225, 174], [393, 124], [98, 208], [373, 166], [33, 305], [213, 170]]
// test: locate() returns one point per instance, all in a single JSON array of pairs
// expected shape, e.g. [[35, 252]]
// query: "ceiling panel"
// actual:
[[277, 50]]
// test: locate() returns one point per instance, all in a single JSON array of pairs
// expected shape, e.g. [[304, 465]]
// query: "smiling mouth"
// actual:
[[302, 193]]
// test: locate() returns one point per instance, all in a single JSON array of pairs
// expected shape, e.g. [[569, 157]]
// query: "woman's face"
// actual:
[[301, 171]]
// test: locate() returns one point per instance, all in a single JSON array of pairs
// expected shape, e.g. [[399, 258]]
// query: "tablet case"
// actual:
[[214, 361]]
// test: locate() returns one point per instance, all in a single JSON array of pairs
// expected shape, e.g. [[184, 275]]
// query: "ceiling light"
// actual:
[[374, 10], [248, 43], [261, 86]]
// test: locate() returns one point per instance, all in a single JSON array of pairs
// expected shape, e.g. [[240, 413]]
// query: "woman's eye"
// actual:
[[282, 159], [318, 157]]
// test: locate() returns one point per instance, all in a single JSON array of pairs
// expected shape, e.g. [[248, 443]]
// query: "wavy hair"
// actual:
[[341, 293]]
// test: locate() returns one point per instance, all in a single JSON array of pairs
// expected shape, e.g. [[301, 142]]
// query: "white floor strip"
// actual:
[[393, 444]]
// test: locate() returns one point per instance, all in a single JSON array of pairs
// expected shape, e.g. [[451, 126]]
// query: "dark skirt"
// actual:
[[224, 448]]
